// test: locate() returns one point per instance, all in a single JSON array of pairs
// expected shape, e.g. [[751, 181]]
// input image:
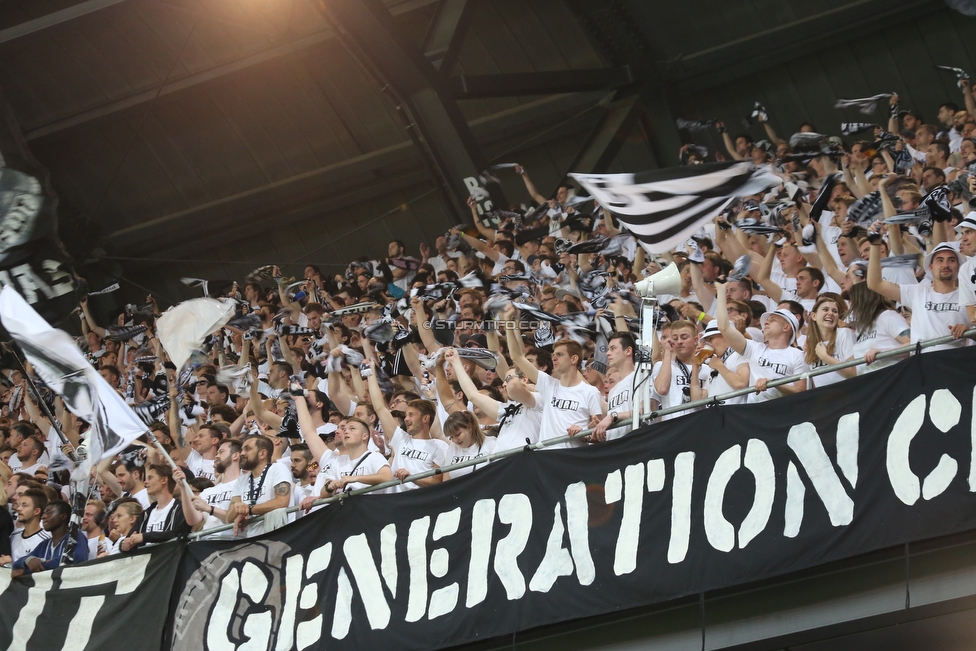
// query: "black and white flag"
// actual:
[[866, 105], [852, 128], [60, 363], [663, 208], [32, 259]]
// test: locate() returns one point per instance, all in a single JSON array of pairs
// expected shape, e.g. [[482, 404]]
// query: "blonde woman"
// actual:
[[827, 343], [126, 516]]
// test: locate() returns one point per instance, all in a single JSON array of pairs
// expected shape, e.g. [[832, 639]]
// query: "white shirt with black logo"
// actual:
[[201, 467], [843, 348], [882, 334], [679, 392], [157, 518], [716, 385], [218, 497], [368, 463], [933, 314], [416, 455], [21, 546], [620, 400], [564, 407], [457, 454], [773, 364], [253, 491], [518, 423]]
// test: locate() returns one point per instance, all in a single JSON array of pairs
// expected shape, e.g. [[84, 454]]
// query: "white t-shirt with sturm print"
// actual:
[[679, 391], [564, 407], [521, 424], [416, 455], [620, 400], [773, 364], [933, 314]]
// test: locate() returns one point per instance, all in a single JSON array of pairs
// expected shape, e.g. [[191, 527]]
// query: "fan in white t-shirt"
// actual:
[[621, 349], [674, 376], [29, 508], [774, 359], [967, 272], [722, 370], [211, 505], [936, 309], [359, 468], [414, 451], [828, 344], [203, 449], [465, 441], [518, 423], [263, 486], [570, 404]]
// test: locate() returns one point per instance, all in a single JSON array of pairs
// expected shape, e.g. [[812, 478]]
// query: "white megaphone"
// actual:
[[666, 281]]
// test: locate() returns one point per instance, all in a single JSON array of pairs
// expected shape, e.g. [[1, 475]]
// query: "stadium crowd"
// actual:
[[516, 328]]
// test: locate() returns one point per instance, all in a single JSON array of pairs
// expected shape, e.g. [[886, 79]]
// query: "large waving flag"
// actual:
[[60, 363], [663, 208]]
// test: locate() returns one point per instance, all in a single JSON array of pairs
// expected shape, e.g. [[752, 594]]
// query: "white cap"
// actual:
[[784, 314], [969, 221], [944, 246]]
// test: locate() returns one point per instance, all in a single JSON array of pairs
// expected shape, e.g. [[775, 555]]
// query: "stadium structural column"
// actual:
[[423, 95]]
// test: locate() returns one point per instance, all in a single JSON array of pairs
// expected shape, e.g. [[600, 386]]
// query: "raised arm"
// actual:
[[530, 186], [389, 423], [827, 260], [307, 427], [488, 405], [94, 327], [444, 392], [876, 283], [478, 245], [426, 333], [514, 337], [773, 290], [729, 145], [704, 291], [735, 338], [269, 418]]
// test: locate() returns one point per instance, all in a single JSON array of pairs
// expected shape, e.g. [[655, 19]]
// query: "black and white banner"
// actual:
[[32, 258], [104, 604], [663, 208], [720, 498]]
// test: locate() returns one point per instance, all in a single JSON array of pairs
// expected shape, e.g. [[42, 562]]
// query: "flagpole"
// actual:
[[169, 460], [40, 401]]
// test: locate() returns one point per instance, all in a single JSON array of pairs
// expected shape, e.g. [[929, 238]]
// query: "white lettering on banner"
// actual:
[[944, 412], [29, 283], [118, 578], [244, 603]]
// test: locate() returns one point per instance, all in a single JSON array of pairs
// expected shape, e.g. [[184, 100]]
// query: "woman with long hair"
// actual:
[[877, 327], [465, 440], [826, 342]]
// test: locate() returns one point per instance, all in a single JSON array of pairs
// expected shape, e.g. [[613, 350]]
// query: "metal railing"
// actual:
[[705, 402]]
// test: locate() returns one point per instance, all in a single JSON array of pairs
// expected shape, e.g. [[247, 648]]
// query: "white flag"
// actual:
[[182, 328], [60, 363]]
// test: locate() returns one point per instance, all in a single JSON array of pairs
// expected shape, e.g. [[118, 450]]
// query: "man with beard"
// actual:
[[263, 486], [211, 506], [936, 311], [130, 478], [302, 487]]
